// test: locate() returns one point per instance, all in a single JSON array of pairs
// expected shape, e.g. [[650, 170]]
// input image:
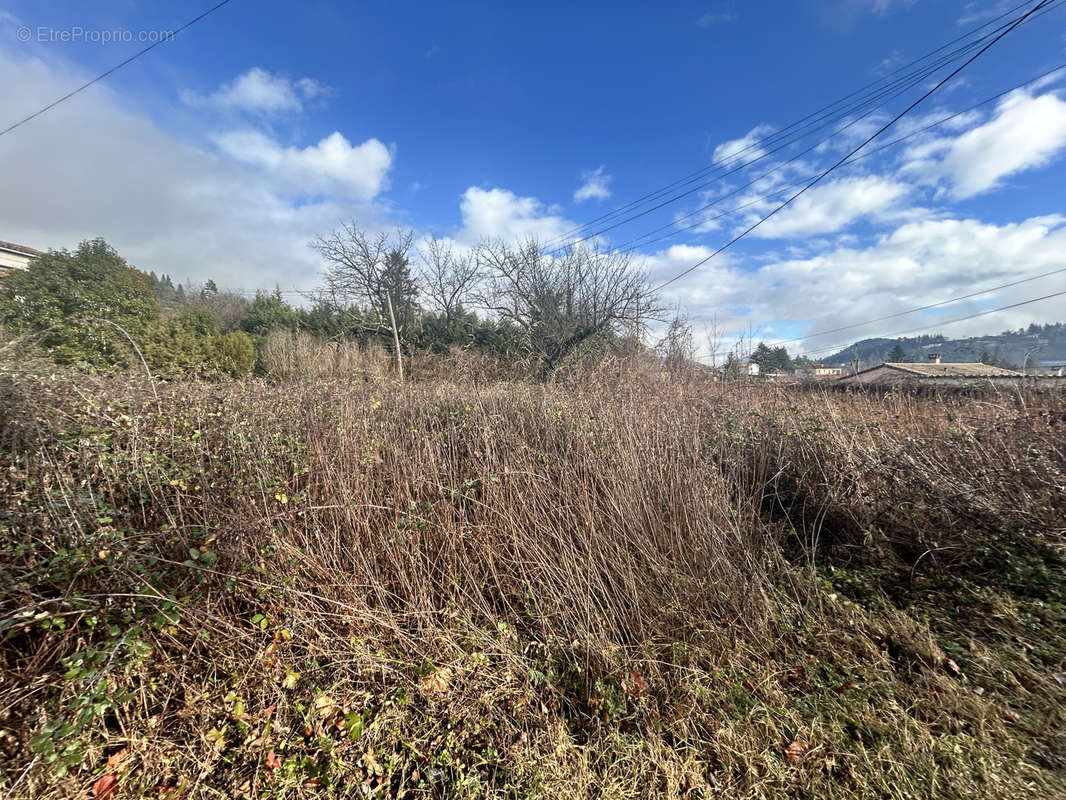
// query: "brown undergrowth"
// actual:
[[605, 588]]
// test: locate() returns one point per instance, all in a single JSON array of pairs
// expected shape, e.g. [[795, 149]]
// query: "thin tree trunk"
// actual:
[[395, 334]]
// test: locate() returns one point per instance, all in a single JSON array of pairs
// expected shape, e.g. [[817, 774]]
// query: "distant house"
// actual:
[[932, 372], [749, 368], [819, 372], [16, 256], [1052, 370]]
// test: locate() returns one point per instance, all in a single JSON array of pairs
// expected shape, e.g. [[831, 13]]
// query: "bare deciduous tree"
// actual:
[[712, 334], [374, 270], [677, 348], [564, 301], [449, 277]]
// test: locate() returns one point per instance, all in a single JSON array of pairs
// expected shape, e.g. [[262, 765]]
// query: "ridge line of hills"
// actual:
[[1039, 345]]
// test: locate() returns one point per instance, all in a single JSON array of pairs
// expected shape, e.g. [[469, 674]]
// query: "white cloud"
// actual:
[[926, 262], [745, 148], [972, 154], [716, 297], [831, 206], [716, 280], [723, 11], [595, 184], [242, 214], [92, 167], [890, 62], [884, 6], [1027, 132], [499, 213], [259, 91], [843, 15], [915, 264], [979, 11], [331, 165]]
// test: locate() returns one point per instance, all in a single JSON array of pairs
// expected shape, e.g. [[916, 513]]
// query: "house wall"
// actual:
[[10, 260], [810, 373]]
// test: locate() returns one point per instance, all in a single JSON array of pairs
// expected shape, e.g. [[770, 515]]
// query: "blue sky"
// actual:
[[221, 153]]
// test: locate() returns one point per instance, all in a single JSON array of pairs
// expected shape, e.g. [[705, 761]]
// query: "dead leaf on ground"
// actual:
[[371, 764], [796, 751], [437, 682], [114, 761], [635, 685], [796, 676], [272, 761], [106, 786], [952, 667], [326, 706]]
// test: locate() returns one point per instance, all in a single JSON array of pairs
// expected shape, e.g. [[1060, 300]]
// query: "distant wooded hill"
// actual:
[[1043, 344]]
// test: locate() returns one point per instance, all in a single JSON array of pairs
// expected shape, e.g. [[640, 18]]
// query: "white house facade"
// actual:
[[16, 256]]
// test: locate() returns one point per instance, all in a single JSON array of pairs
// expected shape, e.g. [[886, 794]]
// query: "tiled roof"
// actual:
[[951, 370], [20, 248]]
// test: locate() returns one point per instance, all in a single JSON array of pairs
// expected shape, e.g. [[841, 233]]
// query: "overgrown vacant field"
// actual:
[[617, 589]]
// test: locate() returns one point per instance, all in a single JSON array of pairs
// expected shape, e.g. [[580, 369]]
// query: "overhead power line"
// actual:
[[829, 111], [735, 164], [896, 315], [763, 150], [115, 68], [942, 323], [919, 329], [632, 244], [869, 139]]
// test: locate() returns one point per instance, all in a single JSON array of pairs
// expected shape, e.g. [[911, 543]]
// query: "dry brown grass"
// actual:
[[296, 355], [611, 587]]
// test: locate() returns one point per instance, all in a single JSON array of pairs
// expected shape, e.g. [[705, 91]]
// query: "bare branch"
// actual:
[[449, 278], [564, 301], [372, 270]]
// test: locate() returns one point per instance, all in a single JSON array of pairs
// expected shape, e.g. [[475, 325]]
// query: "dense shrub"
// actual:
[[236, 354], [189, 344], [62, 296], [91, 309], [181, 345], [266, 313], [615, 588]]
